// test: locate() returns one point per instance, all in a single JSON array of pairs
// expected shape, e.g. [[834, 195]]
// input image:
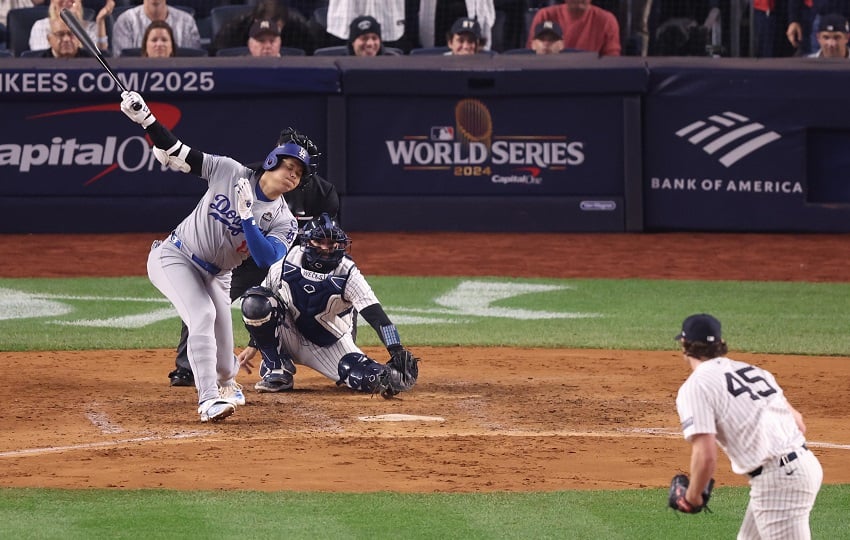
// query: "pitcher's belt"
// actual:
[[208, 266], [784, 460]]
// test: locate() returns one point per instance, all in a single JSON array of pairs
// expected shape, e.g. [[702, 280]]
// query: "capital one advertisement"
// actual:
[[485, 146], [742, 165], [56, 149]]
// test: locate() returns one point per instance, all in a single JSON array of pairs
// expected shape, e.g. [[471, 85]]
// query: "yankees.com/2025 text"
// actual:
[[96, 82]]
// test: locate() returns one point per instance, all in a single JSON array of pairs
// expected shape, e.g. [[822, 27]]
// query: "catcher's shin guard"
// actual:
[[359, 372]]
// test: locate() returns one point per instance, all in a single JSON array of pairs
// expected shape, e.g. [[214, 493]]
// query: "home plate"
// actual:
[[401, 418]]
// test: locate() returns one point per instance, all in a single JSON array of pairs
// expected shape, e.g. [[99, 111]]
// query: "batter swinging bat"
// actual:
[[78, 30]]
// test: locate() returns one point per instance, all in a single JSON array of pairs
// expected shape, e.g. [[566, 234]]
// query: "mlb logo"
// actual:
[[442, 133]]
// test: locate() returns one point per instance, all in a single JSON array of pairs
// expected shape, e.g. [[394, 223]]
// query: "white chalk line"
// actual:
[[635, 433], [101, 444]]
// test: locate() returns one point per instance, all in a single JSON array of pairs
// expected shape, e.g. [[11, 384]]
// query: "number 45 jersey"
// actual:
[[319, 305], [743, 406]]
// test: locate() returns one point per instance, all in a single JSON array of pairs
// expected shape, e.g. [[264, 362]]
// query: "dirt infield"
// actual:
[[481, 419]]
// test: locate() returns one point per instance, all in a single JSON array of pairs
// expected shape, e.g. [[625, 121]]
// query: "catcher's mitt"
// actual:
[[402, 373], [677, 501]]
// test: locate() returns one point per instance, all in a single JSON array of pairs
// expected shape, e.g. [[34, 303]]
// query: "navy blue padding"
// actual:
[[494, 75]]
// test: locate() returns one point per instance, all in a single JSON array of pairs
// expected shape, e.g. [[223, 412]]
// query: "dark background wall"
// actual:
[[572, 143]]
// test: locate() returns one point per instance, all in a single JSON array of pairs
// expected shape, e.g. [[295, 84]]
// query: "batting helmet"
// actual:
[[292, 135], [324, 244], [288, 150]]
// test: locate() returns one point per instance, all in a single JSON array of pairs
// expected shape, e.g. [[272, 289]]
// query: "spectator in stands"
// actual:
[[295, 32], [158, 41], [130, 26], [95, 29], [364, 37], [63, 43], [832, 35], [764, 27], [436, 18], [586, 27], [548, 38], [391, 16], [804, 20], [465, 37], [264, 38]]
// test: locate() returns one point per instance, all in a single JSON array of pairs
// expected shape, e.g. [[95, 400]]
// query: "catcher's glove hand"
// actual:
[[401, 373], [677, 500]]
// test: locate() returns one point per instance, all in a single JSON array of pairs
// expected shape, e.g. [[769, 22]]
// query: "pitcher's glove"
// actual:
[[402, 372], [678, 488]]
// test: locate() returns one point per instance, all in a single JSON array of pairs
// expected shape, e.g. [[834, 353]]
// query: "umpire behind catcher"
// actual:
[[313, 196]]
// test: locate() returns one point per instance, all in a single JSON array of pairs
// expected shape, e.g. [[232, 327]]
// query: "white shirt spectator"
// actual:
[[130, 28], [388, 13]]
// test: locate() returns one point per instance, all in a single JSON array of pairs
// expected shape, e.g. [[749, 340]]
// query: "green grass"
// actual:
[[801, 318], [630, 514], [765, 317]]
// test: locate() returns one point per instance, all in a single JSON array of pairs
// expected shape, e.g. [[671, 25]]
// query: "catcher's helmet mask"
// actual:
[[324, 244], [287, 150]]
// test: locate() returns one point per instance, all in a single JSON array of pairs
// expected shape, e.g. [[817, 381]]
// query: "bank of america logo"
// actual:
[[729, 135]]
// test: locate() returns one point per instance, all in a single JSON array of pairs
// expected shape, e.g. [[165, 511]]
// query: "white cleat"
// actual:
[[214, 410], [232, 393]]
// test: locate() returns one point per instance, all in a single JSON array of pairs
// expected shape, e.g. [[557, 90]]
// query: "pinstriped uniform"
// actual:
[[316, 330], [746, 410]]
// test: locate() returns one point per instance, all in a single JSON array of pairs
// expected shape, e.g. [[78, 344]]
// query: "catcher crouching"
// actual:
[[303, 314]]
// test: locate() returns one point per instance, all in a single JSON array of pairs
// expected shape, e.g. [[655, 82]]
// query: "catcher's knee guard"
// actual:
[[359, 372], [260, 315]]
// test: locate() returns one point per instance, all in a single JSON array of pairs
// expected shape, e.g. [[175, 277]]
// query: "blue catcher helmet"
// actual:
[[324, 244], [291, 150]]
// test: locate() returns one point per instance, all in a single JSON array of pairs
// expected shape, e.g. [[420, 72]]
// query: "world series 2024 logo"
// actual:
[[471, 148]]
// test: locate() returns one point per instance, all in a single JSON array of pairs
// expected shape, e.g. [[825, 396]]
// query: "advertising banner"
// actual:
[[58, 149], [735, 149], [492, 146]]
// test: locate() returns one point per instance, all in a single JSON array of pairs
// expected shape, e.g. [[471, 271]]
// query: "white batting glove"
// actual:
[[136, 109], [244, 199]]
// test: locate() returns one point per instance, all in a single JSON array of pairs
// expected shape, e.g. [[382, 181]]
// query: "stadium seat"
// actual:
[[19, 22], [338, 50], [180, 51], [221, 15], [429, 50], [243, 51], [5, 53], [30, 53]]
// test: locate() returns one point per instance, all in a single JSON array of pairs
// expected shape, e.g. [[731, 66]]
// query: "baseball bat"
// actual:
[[78, 30]]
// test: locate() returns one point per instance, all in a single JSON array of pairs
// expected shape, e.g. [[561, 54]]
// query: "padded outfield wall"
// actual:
[[571, 143]]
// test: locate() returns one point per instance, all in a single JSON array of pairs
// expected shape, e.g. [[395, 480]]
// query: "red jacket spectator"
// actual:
[[586, 27]]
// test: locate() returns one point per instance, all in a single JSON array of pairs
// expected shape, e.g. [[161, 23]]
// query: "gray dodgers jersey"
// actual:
[[213, 231]]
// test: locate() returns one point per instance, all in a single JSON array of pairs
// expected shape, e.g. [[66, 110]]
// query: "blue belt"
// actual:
[[784, 460], [208, 266]]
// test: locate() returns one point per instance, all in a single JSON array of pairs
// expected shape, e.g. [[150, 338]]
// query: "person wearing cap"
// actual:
[[264, 38], [804, 18], [742, 409], [242, 213], [364, 37], [464, 37], [833, 32], [548, 38], [585, 27]]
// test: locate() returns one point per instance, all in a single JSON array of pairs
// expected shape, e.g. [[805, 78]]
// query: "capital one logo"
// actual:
[[729, 136], [112, 153]]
